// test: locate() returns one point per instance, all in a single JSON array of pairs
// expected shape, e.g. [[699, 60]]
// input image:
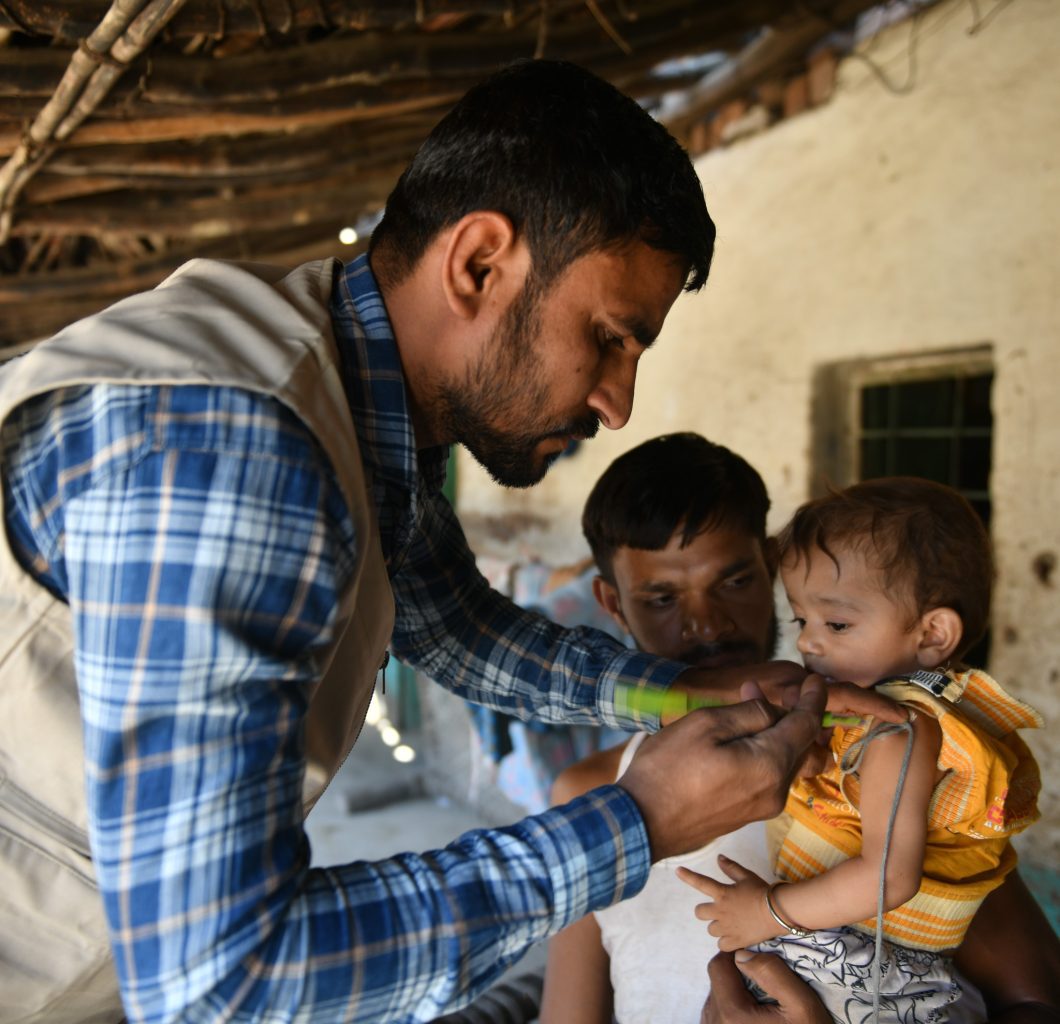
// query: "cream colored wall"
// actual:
[[881, 225]]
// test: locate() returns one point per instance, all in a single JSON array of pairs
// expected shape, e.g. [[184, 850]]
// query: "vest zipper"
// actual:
[[27, 807]]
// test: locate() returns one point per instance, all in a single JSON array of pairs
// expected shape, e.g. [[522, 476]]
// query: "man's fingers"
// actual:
[[773, 678], [797, 730], [848, 698], [812, 696], [736, 721], [728, 992], [817, 759], [797, 1000], [717, 768]]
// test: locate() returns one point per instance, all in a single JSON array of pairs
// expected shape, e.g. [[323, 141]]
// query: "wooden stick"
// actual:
[[127, 28]]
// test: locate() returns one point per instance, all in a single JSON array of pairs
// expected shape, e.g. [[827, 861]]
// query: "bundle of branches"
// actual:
[[136, 133]]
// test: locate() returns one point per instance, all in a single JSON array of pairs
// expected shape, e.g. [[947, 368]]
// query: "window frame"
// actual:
[[837, 418]]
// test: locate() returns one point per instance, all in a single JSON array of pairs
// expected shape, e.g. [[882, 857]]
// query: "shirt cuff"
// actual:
[[595, 850], [628, 675]]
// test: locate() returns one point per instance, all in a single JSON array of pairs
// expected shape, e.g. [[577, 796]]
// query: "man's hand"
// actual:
[[781, 682], [731, 1003], [737, 913], [719, 768]]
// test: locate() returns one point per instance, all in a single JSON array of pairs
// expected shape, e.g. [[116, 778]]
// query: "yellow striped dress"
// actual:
[[988, 793]]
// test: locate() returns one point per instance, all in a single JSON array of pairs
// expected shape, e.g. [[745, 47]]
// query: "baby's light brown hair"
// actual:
[[924, 537]]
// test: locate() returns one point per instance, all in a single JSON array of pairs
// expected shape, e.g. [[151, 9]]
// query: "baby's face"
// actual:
[[851, 628]]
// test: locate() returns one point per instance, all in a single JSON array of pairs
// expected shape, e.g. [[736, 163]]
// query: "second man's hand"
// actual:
[[719, 768], [730, 1001]]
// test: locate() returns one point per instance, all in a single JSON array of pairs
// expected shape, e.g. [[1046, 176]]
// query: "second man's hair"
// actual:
[[677, 481]]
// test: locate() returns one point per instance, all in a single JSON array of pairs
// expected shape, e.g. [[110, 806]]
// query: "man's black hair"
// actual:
[[677, 481], [573, 163]]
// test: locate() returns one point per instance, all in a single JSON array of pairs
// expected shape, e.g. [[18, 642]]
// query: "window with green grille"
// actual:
[[938, 428]]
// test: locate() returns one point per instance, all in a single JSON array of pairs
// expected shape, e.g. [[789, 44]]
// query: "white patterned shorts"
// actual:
[[916, 986]]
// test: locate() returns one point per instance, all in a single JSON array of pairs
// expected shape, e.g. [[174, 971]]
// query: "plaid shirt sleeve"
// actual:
[[200, 542], [464, 634]]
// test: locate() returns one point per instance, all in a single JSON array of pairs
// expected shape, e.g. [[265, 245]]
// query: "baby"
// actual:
[[885, 857]]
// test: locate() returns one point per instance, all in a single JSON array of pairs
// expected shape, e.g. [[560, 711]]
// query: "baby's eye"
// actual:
[[838, 627], [801, 623]]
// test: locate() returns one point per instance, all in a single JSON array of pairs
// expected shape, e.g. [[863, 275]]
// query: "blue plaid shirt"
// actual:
[[201, 542]]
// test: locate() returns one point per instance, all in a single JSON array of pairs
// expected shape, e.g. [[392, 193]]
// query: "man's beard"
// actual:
[[746, 650], [506, 383]]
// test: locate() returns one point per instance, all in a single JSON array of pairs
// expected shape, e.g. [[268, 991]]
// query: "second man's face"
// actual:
[[709, 603]]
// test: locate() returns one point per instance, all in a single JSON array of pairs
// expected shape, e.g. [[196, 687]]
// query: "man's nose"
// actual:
[[612, 398], [705, 620]]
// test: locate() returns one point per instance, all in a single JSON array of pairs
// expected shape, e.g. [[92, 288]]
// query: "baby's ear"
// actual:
[[941, 630]]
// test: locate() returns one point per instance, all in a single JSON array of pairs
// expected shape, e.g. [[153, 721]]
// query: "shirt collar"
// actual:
[[375, 384]]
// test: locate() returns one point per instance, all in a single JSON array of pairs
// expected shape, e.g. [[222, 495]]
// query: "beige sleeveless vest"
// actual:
[[242, 325]]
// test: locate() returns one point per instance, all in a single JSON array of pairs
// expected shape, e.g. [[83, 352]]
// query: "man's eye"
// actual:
[[609, 340], [662, 601], [838, 627], [736, 582]]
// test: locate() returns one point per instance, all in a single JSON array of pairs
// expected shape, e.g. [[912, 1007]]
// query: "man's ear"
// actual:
[[606, 595], [941, 630], [483, 260]]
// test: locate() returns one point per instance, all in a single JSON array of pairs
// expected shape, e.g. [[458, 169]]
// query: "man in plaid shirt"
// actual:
[[222, 502]]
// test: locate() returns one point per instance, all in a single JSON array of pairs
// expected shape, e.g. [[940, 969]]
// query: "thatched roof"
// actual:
[[138, 133]]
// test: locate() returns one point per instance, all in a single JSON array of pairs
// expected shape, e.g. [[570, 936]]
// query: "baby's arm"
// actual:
[[847, 893]]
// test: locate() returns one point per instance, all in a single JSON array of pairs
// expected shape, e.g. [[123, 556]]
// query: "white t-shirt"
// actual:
[[659, 950]]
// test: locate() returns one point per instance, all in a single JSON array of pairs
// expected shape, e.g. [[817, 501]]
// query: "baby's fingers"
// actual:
[[702, 883], [706, 912], [736, 871]]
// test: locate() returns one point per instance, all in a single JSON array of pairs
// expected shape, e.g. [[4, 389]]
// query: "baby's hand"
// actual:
[[738, 913]]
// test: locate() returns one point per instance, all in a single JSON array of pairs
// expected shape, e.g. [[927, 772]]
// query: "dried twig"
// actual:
[[605, 24], [125, 32]]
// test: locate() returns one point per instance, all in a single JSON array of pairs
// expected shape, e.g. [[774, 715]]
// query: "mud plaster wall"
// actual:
[[878, 225]]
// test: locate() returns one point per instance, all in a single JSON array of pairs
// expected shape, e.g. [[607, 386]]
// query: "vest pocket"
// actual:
[[55, 962]]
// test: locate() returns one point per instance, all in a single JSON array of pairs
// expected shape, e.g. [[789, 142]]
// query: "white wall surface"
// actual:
[[879, 225]]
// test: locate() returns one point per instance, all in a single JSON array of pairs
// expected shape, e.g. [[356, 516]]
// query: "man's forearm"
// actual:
[[393, 939], [474, 641]]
